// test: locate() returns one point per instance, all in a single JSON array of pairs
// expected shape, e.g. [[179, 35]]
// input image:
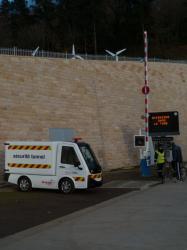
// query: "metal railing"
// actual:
[[49, 54]]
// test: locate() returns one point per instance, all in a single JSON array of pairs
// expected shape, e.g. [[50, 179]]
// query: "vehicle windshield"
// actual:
[[90, 158]]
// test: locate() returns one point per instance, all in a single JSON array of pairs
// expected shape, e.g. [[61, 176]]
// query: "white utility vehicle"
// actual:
[[54, 165]]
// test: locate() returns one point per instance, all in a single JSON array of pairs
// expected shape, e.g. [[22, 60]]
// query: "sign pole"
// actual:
[[146, 161], [146, 92]]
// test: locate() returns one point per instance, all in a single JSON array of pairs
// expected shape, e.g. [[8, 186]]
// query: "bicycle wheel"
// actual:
[[183, 173]]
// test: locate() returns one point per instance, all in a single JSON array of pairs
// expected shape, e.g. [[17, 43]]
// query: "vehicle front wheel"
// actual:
[[24, 184], [66, 186]]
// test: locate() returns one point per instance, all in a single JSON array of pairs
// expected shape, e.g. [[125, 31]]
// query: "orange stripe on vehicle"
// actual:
[[28, 147], [79, 178], [39, 166], [95, 176]]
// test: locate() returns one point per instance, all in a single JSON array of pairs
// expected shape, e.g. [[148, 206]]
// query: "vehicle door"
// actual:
[[70, 165]]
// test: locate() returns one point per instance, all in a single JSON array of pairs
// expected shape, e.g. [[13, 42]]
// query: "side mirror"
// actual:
[[76, 164]]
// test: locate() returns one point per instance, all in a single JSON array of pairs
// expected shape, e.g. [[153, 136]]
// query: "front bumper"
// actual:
[[95, 180]]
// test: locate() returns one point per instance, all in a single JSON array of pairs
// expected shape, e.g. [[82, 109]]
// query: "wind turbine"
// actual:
[[115, 54], [74, 55], [35, 51]]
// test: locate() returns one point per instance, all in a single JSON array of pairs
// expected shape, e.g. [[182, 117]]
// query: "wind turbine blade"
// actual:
[[35, 51], [109, 52], [120, 51], [79, 57], [73, 50]]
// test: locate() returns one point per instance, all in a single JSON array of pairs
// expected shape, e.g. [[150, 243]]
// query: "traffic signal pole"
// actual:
[[145, 156], [145, 91]]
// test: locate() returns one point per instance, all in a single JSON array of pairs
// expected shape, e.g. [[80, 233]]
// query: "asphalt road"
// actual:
[[20, 211]]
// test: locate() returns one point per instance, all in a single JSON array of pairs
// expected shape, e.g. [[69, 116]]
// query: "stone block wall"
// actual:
[[102, 101]]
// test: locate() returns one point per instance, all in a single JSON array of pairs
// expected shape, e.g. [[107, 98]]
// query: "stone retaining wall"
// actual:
[[102, 101]]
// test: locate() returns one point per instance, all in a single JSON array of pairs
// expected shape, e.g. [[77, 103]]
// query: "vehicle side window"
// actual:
[[87, 154], [68, 155]]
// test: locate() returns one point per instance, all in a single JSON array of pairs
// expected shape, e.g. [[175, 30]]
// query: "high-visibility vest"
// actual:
[[160, 157]]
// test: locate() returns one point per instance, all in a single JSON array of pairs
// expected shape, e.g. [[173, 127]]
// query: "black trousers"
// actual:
[[160, 167]]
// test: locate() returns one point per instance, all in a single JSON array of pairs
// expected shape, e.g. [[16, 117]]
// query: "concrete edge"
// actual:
[[149, 185], [4, 185]]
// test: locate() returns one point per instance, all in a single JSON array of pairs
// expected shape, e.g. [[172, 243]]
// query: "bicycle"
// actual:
[[170, 173], [182, 173]]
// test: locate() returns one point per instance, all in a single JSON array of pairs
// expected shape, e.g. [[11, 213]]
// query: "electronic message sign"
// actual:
[[164, 123]]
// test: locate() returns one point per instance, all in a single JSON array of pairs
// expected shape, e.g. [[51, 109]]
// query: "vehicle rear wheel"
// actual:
[[24, 184], [66, 186]]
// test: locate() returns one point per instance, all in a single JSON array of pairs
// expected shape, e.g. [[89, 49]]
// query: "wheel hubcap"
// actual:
[[24, 184], [66, 186]]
